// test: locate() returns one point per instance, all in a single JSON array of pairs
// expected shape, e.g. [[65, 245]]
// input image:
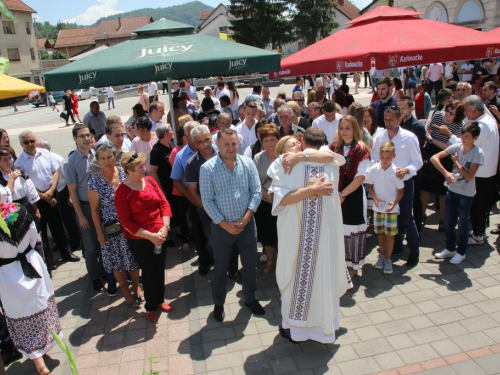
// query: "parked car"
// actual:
[[97, 91], [42, 100], [83, 94]]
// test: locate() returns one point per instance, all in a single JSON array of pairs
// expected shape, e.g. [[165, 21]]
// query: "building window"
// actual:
[[28, 28], [32, 52], [8, 27], [13, 54], [470, 12]]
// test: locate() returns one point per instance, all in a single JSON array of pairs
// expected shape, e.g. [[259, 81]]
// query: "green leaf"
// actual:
[[4, 64], [65, 349], [3, 224]]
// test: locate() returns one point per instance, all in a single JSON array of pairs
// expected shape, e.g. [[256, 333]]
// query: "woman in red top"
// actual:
[[145, 218], [74, 105]]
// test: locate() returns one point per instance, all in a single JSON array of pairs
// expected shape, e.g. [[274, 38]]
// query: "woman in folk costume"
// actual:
[[350, 144], [25, 288], [311, 271]]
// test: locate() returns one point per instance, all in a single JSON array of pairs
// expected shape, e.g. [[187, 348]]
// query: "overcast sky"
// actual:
[[88, 11]]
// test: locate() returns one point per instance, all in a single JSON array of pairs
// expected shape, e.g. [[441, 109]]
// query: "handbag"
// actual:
[[428, 169], [63, 115], [113, 228]]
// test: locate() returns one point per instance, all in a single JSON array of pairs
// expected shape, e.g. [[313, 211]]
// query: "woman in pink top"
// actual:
[[145, 140]]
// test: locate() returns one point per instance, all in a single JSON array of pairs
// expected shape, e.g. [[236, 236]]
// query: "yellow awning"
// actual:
[[11, 87]]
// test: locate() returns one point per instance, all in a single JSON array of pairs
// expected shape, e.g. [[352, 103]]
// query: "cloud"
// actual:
[[103, 9]]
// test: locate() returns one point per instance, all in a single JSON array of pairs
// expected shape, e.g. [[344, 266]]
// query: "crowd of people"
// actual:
[[288, 174]]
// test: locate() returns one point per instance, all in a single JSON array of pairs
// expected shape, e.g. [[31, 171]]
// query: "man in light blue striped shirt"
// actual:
[[231, 192]]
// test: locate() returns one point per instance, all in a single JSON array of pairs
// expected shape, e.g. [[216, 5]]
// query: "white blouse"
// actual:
[[22, 188]]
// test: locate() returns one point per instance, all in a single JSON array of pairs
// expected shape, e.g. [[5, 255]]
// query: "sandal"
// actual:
[[133, 305], [441, 226], [140, 298]]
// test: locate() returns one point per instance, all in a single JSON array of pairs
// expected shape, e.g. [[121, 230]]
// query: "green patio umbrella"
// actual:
[[162, 49]]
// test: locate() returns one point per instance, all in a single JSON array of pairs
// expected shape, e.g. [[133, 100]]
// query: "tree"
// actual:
[[313, 19], [260, 23], [58, 55]]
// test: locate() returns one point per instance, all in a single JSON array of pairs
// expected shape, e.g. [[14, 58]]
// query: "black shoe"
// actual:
[[112, 290], [236, 277], [11, 358], [256, 307], [412, 260], [97, 285], [203, 269], [286, 334], [495, 231], [219, 313], [70, 257]]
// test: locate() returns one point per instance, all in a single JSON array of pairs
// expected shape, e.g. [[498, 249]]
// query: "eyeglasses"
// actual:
[[133, 157], [299, 100], [31, 141], [81, 136]]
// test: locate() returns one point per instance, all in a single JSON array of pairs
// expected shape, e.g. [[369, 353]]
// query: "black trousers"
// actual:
[[70, 113], [164, 87], [69, 220], [481, 205], [367, 75], [436, 86], [153, 271], [343, 77], [199, 236], [417, 200], [179, 209], [6, 345], [52, 217]]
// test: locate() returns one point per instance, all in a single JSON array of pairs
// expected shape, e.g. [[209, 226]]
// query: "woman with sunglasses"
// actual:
[[450, 118], [144, 215]]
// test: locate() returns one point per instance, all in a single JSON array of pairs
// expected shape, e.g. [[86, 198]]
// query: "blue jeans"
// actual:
[[223, 244], [406, 223], [457, 208], [111, 100]]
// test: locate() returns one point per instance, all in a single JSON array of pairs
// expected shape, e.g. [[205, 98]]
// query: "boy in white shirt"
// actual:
[[386, 190]]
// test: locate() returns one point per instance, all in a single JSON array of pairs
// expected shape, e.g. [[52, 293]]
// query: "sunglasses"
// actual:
[[299, 100], [133, 157], [31, 141]]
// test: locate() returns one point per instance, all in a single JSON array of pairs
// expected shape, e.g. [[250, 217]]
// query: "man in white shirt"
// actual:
[[111, 96], [41, 166], [328, 121], [467, 71], [156, 113], [247, 127], [486, 184], [334, 84], [152, 91], [67, 211], [434, 79], [191, 89], [408, 161], [221, 90]]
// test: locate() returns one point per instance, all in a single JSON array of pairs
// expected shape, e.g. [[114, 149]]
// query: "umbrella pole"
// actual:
[[171, 105]]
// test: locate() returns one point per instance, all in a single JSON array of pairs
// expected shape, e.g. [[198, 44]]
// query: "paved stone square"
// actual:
[[434, 319]]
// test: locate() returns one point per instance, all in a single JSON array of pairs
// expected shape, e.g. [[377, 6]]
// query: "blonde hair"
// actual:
[[357, 130], [184, 119], [311, 96], [295, 107], [130, 165], [388, 146], [356, 110], [280, 147]]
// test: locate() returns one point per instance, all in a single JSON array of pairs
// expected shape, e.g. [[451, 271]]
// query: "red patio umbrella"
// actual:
[[389, 37]]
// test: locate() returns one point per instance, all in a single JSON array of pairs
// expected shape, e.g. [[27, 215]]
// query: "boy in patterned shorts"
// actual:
[[386, 190]]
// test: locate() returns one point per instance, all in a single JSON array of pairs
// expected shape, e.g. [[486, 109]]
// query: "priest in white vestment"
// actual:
[[311, 269]]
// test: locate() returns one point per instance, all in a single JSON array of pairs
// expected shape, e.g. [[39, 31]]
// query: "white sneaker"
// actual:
[[457, 258], [445, 254], [476, 241], [380, 262]]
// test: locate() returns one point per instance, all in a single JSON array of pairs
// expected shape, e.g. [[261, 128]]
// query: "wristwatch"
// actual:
[[430, 141], [307, 155]]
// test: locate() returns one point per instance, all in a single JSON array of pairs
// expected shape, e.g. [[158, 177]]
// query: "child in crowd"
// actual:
[[386, 190], [467, 158]]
